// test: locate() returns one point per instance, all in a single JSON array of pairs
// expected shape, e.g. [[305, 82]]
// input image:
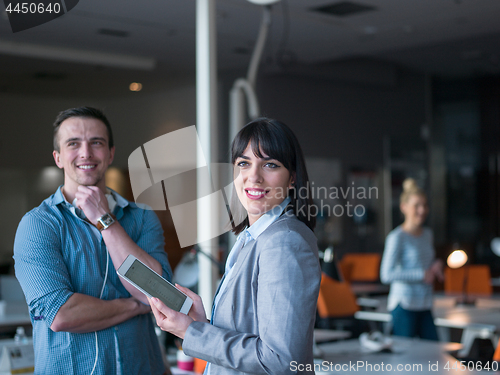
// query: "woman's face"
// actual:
[[415, 209], [261, 183]]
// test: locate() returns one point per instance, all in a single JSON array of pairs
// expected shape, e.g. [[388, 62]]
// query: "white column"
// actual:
[[206, 118]]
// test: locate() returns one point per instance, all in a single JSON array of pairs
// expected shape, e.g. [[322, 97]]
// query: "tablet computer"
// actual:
[[153, 285]]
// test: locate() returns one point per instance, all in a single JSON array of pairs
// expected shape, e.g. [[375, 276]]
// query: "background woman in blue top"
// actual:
[[409, 265], [264, 310]]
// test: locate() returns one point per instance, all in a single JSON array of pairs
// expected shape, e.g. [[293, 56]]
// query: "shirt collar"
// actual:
[[266, 220]]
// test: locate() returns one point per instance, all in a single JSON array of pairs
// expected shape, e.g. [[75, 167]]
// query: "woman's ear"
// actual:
[[292, 180]]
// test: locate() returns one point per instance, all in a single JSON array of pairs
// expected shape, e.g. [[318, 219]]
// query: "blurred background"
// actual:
[[376, 91]]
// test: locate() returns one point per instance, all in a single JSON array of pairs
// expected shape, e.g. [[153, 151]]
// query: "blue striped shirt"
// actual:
[[406, 258], [57, 254]]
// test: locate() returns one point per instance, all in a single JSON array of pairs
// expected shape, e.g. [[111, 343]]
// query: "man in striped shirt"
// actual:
[[85, 319]]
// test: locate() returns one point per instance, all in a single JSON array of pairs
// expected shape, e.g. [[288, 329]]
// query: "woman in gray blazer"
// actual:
[[264, 310]]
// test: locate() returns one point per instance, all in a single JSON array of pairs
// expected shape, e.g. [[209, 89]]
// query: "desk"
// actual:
[[447, 313], [176, 371], [10, 342], [14, 314], [9, 323], [15, 320], [369, 289], [415, 353]]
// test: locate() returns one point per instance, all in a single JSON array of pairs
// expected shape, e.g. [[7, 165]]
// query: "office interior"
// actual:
[[375, 91]]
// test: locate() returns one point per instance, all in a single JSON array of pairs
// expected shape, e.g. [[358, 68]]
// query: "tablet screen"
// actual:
[[155, 285]]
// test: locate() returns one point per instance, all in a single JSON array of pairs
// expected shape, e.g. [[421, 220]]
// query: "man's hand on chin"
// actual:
[[92, 201]]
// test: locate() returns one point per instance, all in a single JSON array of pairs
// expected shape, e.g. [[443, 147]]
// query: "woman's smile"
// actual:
[[254, 193]]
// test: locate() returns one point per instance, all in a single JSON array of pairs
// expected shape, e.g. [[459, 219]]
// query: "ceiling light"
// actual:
[[263, 2], [135, 86], [77, 55]]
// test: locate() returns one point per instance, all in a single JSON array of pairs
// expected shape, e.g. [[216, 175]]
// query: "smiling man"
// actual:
[[85, 319]]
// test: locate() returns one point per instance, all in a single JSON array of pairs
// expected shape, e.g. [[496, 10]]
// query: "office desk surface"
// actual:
[[408, 356], [14, 320], [369, 289], [447, 313]]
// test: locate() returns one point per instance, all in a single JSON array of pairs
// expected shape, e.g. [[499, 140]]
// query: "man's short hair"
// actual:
[[88, 112]]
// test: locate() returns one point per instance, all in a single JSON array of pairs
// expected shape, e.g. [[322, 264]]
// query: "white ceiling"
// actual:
[[448, 38]]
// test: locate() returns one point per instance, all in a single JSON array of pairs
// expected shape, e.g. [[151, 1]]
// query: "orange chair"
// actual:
[[478, 280], [335, 299], [345, 270], [199, 365], [454, 279], [360, 266], [496, 356]]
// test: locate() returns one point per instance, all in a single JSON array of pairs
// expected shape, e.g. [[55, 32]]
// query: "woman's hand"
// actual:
[[197, 311], [169, 320], [429, 276], [434, 272], [437, 268]]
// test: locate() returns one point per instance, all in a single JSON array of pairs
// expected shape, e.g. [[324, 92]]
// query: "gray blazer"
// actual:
[[265, 316]]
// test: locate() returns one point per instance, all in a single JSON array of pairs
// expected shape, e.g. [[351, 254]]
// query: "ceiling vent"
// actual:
[[113, 32], [241, 51], [344, 9], [45, 76]]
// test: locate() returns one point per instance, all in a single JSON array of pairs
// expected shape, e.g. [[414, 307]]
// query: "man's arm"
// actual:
[[82, 313], [120, 245], [94, 204]]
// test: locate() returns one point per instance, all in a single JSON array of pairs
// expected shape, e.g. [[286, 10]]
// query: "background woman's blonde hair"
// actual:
[[410, 188]]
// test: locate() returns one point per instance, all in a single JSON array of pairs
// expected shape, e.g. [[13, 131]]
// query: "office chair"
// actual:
[[360, 266], [335, 300], [471, 280], [478, 280], [454, 279]]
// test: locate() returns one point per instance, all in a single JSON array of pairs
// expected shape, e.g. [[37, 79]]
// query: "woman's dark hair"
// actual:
[[87, 112], [277, 141]]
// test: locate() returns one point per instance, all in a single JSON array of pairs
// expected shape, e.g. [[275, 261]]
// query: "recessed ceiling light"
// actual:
[[370, 30], [135, 86]]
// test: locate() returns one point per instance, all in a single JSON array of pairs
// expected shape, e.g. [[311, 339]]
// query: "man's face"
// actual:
[[84, 152]]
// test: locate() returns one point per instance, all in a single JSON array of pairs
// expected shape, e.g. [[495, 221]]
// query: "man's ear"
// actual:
[[57, 159], [111, 154]]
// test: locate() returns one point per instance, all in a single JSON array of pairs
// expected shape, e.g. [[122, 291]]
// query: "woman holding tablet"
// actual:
[[264, 311]]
